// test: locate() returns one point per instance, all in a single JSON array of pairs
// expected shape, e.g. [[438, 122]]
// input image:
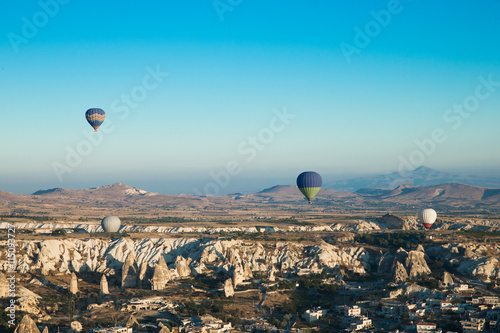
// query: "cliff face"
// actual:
[[184, 257], [135, 260], [470, 259], [404, 265]]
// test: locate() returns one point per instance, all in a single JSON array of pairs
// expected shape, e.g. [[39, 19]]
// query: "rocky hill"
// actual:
[[197, 255], [116, 191], [275, 202]]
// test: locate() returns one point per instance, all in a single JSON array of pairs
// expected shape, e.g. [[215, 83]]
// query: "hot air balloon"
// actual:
[[110, 224], [427, 217], [95, 117], [309, 183]]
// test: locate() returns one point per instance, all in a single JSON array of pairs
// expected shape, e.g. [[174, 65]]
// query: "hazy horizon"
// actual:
[[261, 90], [186, 185]]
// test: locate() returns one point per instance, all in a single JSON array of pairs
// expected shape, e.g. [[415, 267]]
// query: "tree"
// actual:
[[58, 232], [71, 307]]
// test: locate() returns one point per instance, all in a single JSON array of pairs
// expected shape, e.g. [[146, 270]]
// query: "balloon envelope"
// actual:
[[309, 183], [110, 224], [95, 117], [427, 217]]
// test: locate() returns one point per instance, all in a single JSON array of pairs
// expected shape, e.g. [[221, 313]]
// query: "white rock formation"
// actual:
[[400, 274], [182, 267], [416, 264], [133, 323], [271, 274], [103, 286], [410, 290], [76, 327], [162, 328], [27, 325], [404, 265], [228, 288], [238, 276], [193, 256], [471, 259], [161, 275], [130, 272], [4, 286], [141, 279], [73, 285], [447, 281], [28, 301]]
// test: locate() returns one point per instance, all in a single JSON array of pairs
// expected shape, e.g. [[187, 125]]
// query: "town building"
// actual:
[[352, 311], [426, 328], [314, 314], [112, 330], [474, 325], [360, 323]]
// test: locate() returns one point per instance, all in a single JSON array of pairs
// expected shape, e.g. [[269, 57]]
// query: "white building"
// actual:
[[314, 314], [410, 306], [445, 305], [352, 311], [490, 300], [427, 328], [422, 305], [361, 323], [416, 314], [475, 325], [434, 302], [462, 288], [113, 330], [147, 304]]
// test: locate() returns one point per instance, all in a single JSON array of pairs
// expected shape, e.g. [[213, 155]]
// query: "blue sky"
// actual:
[[224, 70]]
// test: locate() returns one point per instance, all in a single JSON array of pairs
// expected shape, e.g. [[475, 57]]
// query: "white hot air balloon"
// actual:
[[427, 217], [110, 224]]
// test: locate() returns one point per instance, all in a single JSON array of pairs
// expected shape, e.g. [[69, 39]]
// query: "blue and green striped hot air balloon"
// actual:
[[95, 117], [309, 183]]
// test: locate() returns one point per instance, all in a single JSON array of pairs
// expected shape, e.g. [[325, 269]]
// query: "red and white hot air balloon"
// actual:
[[427, 217]]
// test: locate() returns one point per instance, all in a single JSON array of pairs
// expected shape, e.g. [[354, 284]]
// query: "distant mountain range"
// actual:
[[449, 196], [422, 176], [112, 191], [452, 194]]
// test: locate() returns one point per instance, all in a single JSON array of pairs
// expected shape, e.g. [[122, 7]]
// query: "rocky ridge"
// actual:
[[183, 257], [136, 260]]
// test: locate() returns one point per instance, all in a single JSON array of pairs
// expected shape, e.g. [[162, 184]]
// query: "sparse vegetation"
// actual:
[[480, 234], [58, 232], [394, 239]]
